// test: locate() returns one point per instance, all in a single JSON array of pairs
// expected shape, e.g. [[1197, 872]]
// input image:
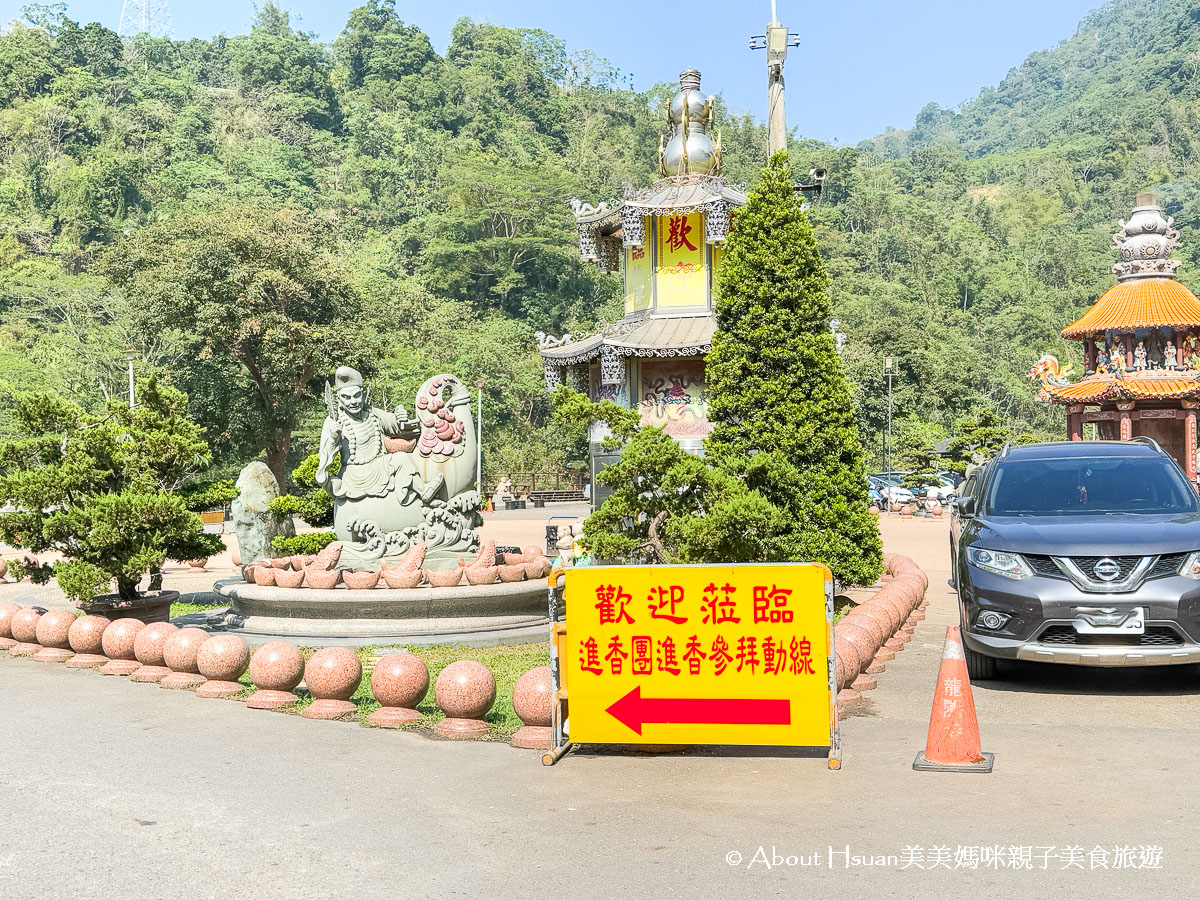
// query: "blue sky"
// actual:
[[863, 64]]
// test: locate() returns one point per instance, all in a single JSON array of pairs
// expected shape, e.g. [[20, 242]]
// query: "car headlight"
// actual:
[[1191, 566], [992, 620], [1010, 565]]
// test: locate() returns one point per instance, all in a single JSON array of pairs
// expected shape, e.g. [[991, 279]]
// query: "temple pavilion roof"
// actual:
[[1153, 385], [1140, 303], [688, 335]]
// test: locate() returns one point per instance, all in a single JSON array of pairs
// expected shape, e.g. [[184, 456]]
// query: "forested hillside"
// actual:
[[247, 210], [965, 244]]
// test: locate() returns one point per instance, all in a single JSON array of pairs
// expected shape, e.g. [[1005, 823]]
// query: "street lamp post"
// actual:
[[889, 364], [130, 355]]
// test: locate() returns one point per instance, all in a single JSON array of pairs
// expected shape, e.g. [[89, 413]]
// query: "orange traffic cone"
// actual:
[[953, 742]]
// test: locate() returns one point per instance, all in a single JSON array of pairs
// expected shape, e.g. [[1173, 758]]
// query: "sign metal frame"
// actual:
[[561, 743]]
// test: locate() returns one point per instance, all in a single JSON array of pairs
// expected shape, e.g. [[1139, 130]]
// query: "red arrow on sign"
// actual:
[[633, 710]]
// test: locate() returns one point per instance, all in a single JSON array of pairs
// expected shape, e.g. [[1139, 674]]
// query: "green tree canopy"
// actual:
[[266, 305]]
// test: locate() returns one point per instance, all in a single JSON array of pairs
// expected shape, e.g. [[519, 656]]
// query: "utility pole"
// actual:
[[776, 42], [889, 363]]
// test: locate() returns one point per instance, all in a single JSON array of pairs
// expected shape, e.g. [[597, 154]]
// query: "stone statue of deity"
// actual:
[[1139, 357], [1101, 358], [398, 481]]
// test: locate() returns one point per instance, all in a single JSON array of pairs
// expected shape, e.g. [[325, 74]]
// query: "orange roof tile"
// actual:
[[1140, 386], [1138, 303]]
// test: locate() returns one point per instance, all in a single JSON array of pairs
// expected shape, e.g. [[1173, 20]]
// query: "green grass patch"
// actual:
[[184, 609]]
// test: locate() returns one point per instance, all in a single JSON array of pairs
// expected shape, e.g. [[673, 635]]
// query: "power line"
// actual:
[[152, 17]]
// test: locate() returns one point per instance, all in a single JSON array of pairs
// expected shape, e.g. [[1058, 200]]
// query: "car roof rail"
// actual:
[[1145, 439], [1004, 450]]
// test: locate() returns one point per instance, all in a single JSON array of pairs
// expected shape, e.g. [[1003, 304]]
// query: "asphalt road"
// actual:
[[115, 790]]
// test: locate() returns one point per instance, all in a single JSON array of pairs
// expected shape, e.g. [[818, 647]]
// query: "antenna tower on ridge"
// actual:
[[152, 17]]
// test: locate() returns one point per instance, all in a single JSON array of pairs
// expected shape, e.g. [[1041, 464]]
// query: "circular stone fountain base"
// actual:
[[474, 615]]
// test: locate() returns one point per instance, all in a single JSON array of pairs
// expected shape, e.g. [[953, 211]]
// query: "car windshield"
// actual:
[[1106, 485]]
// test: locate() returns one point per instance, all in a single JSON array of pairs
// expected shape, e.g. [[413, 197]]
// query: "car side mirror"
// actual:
[[965, 506]]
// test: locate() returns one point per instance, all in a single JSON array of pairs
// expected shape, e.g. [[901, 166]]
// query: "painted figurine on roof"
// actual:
[[1140, 347]]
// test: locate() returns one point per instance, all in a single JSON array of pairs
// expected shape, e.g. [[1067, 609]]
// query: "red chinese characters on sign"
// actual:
[[613, 601], [771, 606], [641, 655], [729, 651], [666, 656], [801, 657], [616, 656], [667, 599], [694, 656], [746, 653], [589, 656], [718, 605], [677, 233]]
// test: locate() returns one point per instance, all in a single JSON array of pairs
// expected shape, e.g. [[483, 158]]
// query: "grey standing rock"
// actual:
[[253, 522]]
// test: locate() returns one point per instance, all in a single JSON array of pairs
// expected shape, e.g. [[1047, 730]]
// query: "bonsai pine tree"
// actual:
[[777, 393], [103, 489], [668, 505]]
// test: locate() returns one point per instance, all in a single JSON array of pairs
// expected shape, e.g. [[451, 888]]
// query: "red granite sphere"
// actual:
[[333, 673], [223, 657], [277, 666], [151, 641], [848, 662], [119, 637], [54, 628], [400, 679], [87, 634], [869, 612], [533, 697], [874, 627], [181, 649], [24, 623], [7, 610], [465, 690]]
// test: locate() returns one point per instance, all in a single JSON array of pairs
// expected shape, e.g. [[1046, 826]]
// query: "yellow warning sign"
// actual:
[[710, 654]]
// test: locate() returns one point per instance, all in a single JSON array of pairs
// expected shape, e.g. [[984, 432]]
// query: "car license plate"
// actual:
[[1111, 621]]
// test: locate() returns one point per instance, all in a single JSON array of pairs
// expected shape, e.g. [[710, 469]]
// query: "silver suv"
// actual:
[[1078, 552]]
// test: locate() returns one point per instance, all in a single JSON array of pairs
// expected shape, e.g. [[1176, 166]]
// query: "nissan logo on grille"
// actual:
[[1106, 570]]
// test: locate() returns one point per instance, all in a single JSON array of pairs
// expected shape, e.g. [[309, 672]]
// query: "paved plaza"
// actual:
[[116, 790]]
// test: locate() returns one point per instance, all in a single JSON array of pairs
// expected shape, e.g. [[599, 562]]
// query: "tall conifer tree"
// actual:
[[776, 385]]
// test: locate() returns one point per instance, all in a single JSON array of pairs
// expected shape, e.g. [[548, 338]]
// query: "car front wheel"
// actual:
[[979, 667]]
